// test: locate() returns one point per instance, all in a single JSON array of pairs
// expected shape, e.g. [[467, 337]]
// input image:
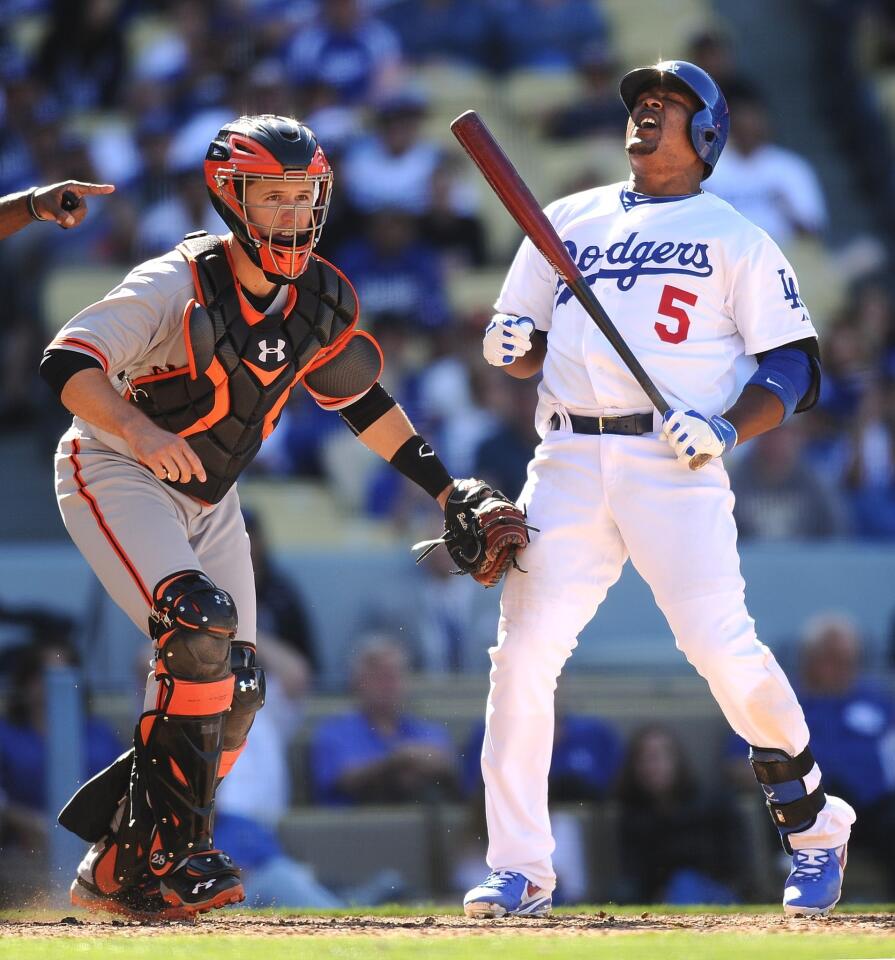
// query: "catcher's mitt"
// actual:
[[483, 532]]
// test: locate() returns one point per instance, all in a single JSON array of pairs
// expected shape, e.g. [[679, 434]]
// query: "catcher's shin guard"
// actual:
[[178, 743], [248, 699]]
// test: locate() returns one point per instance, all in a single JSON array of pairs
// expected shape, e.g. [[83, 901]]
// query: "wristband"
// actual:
[[29, 199], [417, 461]]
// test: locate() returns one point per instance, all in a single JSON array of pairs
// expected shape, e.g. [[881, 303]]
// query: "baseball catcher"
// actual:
[[175, 379]]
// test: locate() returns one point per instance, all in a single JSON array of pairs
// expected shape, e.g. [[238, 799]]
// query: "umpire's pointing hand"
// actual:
[[48, 201]]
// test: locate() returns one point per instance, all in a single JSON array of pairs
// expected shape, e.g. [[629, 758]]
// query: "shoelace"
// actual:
[[809, 864], [498, 878]]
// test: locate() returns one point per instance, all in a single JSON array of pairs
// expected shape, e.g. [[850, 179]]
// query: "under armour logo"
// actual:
[[204, 886], [246, 685], [264, 350]]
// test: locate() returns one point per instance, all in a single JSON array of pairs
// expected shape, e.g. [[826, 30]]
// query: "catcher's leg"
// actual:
[[114, 875], [179, 740]]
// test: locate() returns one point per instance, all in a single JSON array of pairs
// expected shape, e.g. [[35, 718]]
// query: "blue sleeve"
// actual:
[[787, 373]]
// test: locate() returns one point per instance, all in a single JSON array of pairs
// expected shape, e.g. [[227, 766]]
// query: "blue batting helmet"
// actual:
[[709, 126]]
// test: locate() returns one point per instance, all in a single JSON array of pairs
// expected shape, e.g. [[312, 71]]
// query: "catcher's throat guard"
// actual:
[[483, 532]]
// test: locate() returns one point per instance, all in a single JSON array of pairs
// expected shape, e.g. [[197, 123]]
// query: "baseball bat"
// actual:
[[478, 141]]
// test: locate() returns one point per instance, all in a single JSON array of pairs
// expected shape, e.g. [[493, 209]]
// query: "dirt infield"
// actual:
[[238, 924]]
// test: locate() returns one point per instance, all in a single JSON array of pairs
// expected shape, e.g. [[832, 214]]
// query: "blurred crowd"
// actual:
[[132, 91]]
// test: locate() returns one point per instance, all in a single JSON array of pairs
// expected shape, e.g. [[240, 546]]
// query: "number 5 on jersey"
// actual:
[[675, 333]]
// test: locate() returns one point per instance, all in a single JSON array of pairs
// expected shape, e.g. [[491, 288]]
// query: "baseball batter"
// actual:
[[712, 309], [175, 378]]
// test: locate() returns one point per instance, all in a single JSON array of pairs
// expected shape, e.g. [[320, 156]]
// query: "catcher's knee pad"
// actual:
[[792, 788], [192, 623], [248, 699]]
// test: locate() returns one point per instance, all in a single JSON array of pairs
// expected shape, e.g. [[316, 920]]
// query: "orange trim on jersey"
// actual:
[[104, 527], [266, 377], [270, 417], [191, 699], [221, 408], [152, 377], [83, 345], [229, 758]]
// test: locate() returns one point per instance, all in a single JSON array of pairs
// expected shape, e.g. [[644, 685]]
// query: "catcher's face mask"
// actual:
[[277, 214]]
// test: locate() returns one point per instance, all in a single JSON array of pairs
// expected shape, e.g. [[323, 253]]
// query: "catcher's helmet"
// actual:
[[709, 126], [268, 147]]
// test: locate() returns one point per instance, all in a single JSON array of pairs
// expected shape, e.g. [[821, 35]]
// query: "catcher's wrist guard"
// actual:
[[419, 463], [483, 532]]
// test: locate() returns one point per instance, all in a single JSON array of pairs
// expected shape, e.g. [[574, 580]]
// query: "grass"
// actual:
[[648, 946]]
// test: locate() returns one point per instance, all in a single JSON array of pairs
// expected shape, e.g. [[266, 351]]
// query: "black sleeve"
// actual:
[[809, 346], [58, 366], [366, 411]]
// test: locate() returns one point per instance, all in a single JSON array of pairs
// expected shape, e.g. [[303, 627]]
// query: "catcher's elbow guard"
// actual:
[[347, 376]]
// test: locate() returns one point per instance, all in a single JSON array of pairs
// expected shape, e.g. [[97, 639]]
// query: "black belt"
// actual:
[[631, 426]]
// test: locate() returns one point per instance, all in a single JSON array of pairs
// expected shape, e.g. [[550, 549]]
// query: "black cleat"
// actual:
[[203, 882]]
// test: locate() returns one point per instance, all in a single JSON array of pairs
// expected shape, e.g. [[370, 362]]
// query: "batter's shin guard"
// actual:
[[792, 787], [248, 699]]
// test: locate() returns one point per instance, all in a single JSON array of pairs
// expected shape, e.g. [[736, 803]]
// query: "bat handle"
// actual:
[[70, 201]]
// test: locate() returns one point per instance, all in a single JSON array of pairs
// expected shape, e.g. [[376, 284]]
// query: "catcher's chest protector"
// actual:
[[242, 364]]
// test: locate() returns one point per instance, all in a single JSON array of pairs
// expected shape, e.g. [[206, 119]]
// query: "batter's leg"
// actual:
[[571, 564], [678, 526]]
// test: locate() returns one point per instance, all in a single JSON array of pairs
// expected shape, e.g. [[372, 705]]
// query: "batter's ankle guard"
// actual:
[[792, 806]]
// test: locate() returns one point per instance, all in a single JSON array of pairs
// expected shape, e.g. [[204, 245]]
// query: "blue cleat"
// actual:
[[815, 882], [505, 892]]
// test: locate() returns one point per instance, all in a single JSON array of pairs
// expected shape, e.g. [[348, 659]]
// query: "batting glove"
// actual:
[[697, 439], [507, 338]]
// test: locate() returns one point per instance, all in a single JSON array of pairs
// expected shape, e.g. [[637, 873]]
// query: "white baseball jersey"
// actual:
[[695, 289]]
